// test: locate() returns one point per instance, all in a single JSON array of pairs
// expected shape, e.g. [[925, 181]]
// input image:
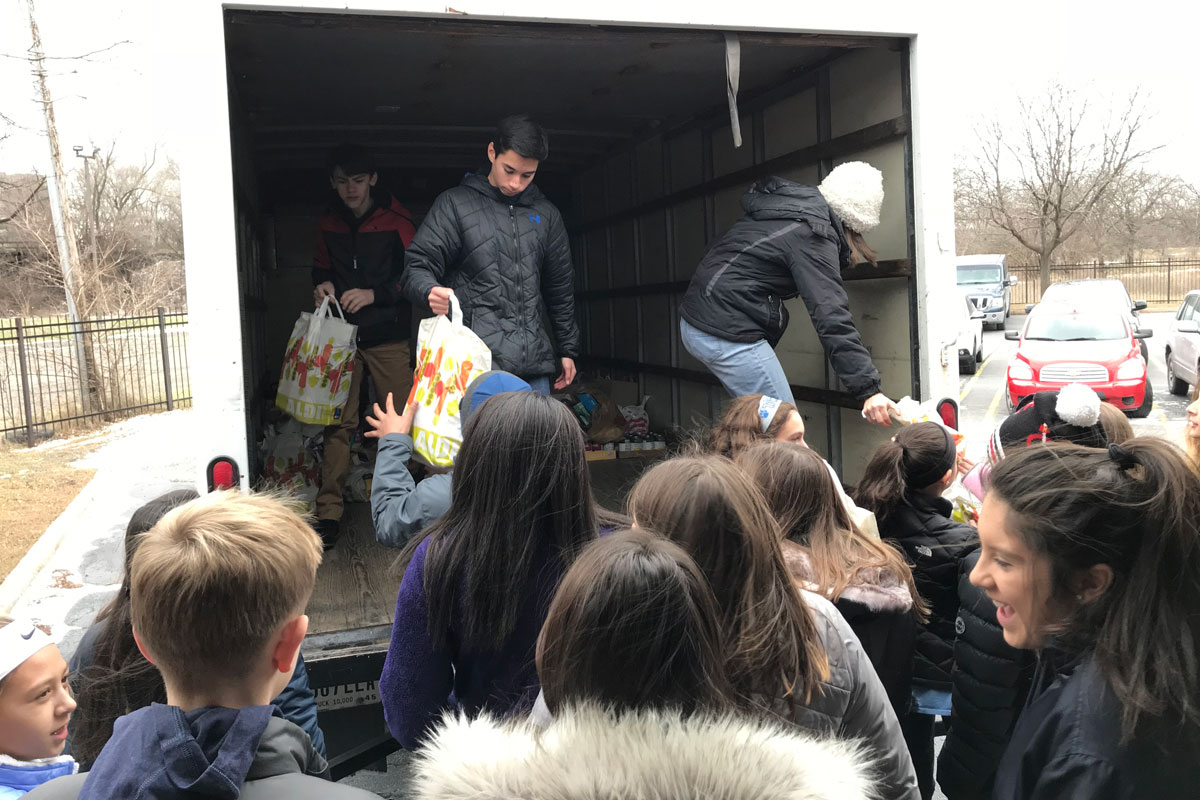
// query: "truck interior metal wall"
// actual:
[[635, 114], [664, 246]]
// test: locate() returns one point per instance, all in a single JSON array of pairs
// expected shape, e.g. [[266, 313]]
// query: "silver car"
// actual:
[[1183, 346]]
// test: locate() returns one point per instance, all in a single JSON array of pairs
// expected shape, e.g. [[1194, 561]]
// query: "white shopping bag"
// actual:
[[450, 356], [317, 367]]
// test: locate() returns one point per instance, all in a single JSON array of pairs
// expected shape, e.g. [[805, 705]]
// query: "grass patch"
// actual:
[[36, 486]]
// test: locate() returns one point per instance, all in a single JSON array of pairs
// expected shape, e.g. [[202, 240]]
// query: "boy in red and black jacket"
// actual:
[[360, 255]]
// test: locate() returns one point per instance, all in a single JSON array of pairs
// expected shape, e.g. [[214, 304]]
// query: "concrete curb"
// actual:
[[42, 551], [75, 566]]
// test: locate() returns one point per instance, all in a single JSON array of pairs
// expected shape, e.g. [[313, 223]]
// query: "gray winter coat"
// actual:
[[284, 766], [853, 704], [508, 259], [399, 505]]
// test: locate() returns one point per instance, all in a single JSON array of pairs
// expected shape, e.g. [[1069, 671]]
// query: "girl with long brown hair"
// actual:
[[1092, 558], [787, 652], [634, 625], [477, 585], [638, 702], [868, 580]]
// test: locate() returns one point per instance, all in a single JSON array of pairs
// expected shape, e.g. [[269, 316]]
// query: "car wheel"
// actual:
[[1143, 411], [1145, 351], [979, 352], [1174, 385], [966, 365]]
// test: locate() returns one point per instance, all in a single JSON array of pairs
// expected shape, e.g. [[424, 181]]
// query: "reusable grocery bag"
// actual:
[[291, 459], [317, 367], [450, 356]]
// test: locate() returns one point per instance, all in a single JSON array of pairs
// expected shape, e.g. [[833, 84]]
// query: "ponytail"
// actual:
[[917, 457], [1135, 508], [883, 486]]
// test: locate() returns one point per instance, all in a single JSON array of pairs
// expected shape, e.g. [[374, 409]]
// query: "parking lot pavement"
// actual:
[[982, 401]]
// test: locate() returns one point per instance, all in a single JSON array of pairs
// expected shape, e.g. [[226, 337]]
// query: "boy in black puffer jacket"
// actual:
[[902, 485], [499, 245]]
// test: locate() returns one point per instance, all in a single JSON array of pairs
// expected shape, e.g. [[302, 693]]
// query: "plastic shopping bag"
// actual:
[[450, 356], [637, 419], [291, 460], [317, 367]]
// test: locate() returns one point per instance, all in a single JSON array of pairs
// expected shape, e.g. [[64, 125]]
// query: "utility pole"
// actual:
[[91, 190], [64, 230]]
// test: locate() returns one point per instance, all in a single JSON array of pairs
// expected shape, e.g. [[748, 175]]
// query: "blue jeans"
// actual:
[[743, 368], [540, 384]]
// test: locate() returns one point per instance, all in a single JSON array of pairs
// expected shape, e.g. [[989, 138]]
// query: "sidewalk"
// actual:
[[75, 568]]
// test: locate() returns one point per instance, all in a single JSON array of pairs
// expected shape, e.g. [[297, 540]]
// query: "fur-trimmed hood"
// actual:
[[588, 754], [878, 590]]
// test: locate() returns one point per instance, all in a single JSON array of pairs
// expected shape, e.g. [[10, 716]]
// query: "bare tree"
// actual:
[[1042, 179], [138, 261], [1138, 209]]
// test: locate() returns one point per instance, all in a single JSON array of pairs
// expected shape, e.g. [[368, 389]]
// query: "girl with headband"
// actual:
[[903, 484], [758, 418], [35, 707]]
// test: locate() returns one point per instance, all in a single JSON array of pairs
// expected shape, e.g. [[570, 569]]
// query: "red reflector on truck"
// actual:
[[223, 474]]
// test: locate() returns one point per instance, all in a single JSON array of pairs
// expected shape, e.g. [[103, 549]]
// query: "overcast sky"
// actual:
[[1105, 49]]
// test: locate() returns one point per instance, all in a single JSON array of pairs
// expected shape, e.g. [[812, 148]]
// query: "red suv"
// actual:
[[1061, 345]]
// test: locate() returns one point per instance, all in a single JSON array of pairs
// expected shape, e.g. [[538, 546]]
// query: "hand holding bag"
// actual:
[[317, 367], [450, 356]]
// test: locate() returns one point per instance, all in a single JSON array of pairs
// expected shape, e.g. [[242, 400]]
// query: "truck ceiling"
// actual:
[[426, 93]]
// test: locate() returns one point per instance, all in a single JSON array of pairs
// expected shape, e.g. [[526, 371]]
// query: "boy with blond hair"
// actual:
[[218, 592]]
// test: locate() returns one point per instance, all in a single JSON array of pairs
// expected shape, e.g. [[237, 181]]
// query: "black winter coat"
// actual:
[[1067, 744], [367, 253], [935, 546], [508, 260], [991, 681], [877, 606], [789, 243]]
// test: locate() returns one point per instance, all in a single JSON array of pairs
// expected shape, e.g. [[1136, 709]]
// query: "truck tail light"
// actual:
[[947, 409], [223, 474]]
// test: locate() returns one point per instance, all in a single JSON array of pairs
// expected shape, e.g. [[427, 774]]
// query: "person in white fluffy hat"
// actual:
[[794, 240]]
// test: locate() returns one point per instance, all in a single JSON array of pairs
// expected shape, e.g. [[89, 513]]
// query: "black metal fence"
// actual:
[[1153, 281], [75, 374]]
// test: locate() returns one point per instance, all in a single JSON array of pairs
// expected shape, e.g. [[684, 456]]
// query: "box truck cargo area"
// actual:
[[643, 166]]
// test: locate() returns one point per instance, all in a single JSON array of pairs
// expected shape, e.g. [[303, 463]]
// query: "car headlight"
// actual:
[[1019, 370], [1131, 369], [996, 303]]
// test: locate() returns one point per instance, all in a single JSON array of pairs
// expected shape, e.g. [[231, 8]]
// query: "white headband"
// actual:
[[767, 406], [19, 640]]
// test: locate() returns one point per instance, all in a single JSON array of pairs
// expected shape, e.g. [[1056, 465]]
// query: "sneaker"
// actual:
[[329, 530]]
